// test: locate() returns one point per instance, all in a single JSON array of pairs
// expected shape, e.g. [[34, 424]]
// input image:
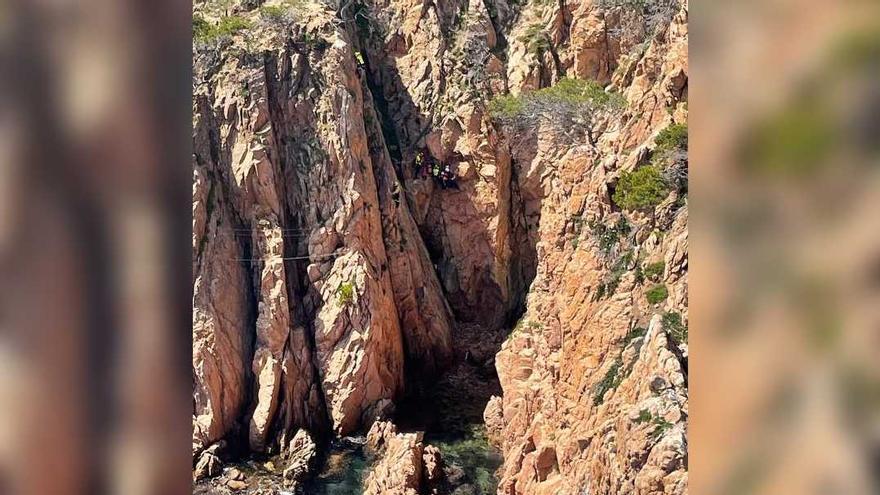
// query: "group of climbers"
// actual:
[[444, 176], [442, 173]]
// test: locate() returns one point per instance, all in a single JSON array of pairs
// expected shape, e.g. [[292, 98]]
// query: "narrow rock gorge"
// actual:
[[440, 247]]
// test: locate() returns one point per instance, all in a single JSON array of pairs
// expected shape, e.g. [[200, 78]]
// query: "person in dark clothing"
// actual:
[[420, 165], [447, 178]]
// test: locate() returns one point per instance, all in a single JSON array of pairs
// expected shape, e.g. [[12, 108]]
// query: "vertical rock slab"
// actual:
[[400, 469], [434, 71], [594, 379], [425, 317], [357, 334], [272, 329], [220, 301]]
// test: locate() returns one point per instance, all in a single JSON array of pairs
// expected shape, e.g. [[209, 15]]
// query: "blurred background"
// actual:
[[95, 215], [95, 222], [785, 244]]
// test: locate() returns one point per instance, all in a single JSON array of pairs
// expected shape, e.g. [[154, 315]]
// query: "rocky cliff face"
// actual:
[[595, 393], [335, 273]]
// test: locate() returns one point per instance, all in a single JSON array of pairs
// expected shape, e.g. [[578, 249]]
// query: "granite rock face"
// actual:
[[306, 287], [595, 386], [404, 465], [332, 269]]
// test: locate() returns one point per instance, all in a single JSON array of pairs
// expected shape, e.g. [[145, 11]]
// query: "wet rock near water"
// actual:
[[210, 461], [300, 458]]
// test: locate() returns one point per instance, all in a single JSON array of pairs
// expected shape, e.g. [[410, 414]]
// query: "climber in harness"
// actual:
[[360, 58], [421, 165]]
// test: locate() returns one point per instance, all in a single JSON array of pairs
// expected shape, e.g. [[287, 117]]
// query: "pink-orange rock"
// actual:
[[399, 471]]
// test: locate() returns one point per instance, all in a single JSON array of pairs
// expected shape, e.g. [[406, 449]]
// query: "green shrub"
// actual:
[[277, 13], [568, 103], [673, 137], [657, 294], [273, 13], [670, 156], [609, 285], [675, 328], [654, 271], [345, 293], [205, 32], [640, 189], [536, 40], [608, 237], [610, 381], [231, 24], [506, 106], [471, 451], [661, 426], [199, 26], [570, 90]]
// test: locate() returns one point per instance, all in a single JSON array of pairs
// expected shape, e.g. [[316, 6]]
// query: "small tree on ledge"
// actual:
[[571, 106]]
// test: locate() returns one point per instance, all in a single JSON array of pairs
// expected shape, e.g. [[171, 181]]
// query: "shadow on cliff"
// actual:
[[483, 312]]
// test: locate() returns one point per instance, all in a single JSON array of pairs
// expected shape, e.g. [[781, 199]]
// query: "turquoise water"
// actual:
[[470, 451], [468, 459], [467, 456], [343, 472]]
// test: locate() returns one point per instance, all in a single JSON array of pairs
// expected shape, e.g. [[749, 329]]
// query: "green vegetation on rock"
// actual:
[[633, 334], [536, 40], [661, 426], [654, 271], [472, 452], [657, 294], [205, 32], [675, 327], [274, 13], [641, 189], [610, 381], [610, 236], [569, 104], [506, 106], [673, 137], [345, 293]]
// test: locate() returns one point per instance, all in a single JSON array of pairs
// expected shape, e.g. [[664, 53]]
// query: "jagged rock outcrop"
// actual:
[[309, 315], [588, 405], [399, 470], [432, 460], [210, 462], [301, 454], [220, 308], [434, 67], [493, 417], [405, 466]]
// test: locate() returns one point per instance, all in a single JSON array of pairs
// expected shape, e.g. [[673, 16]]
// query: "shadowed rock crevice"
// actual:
[[302, 398]]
